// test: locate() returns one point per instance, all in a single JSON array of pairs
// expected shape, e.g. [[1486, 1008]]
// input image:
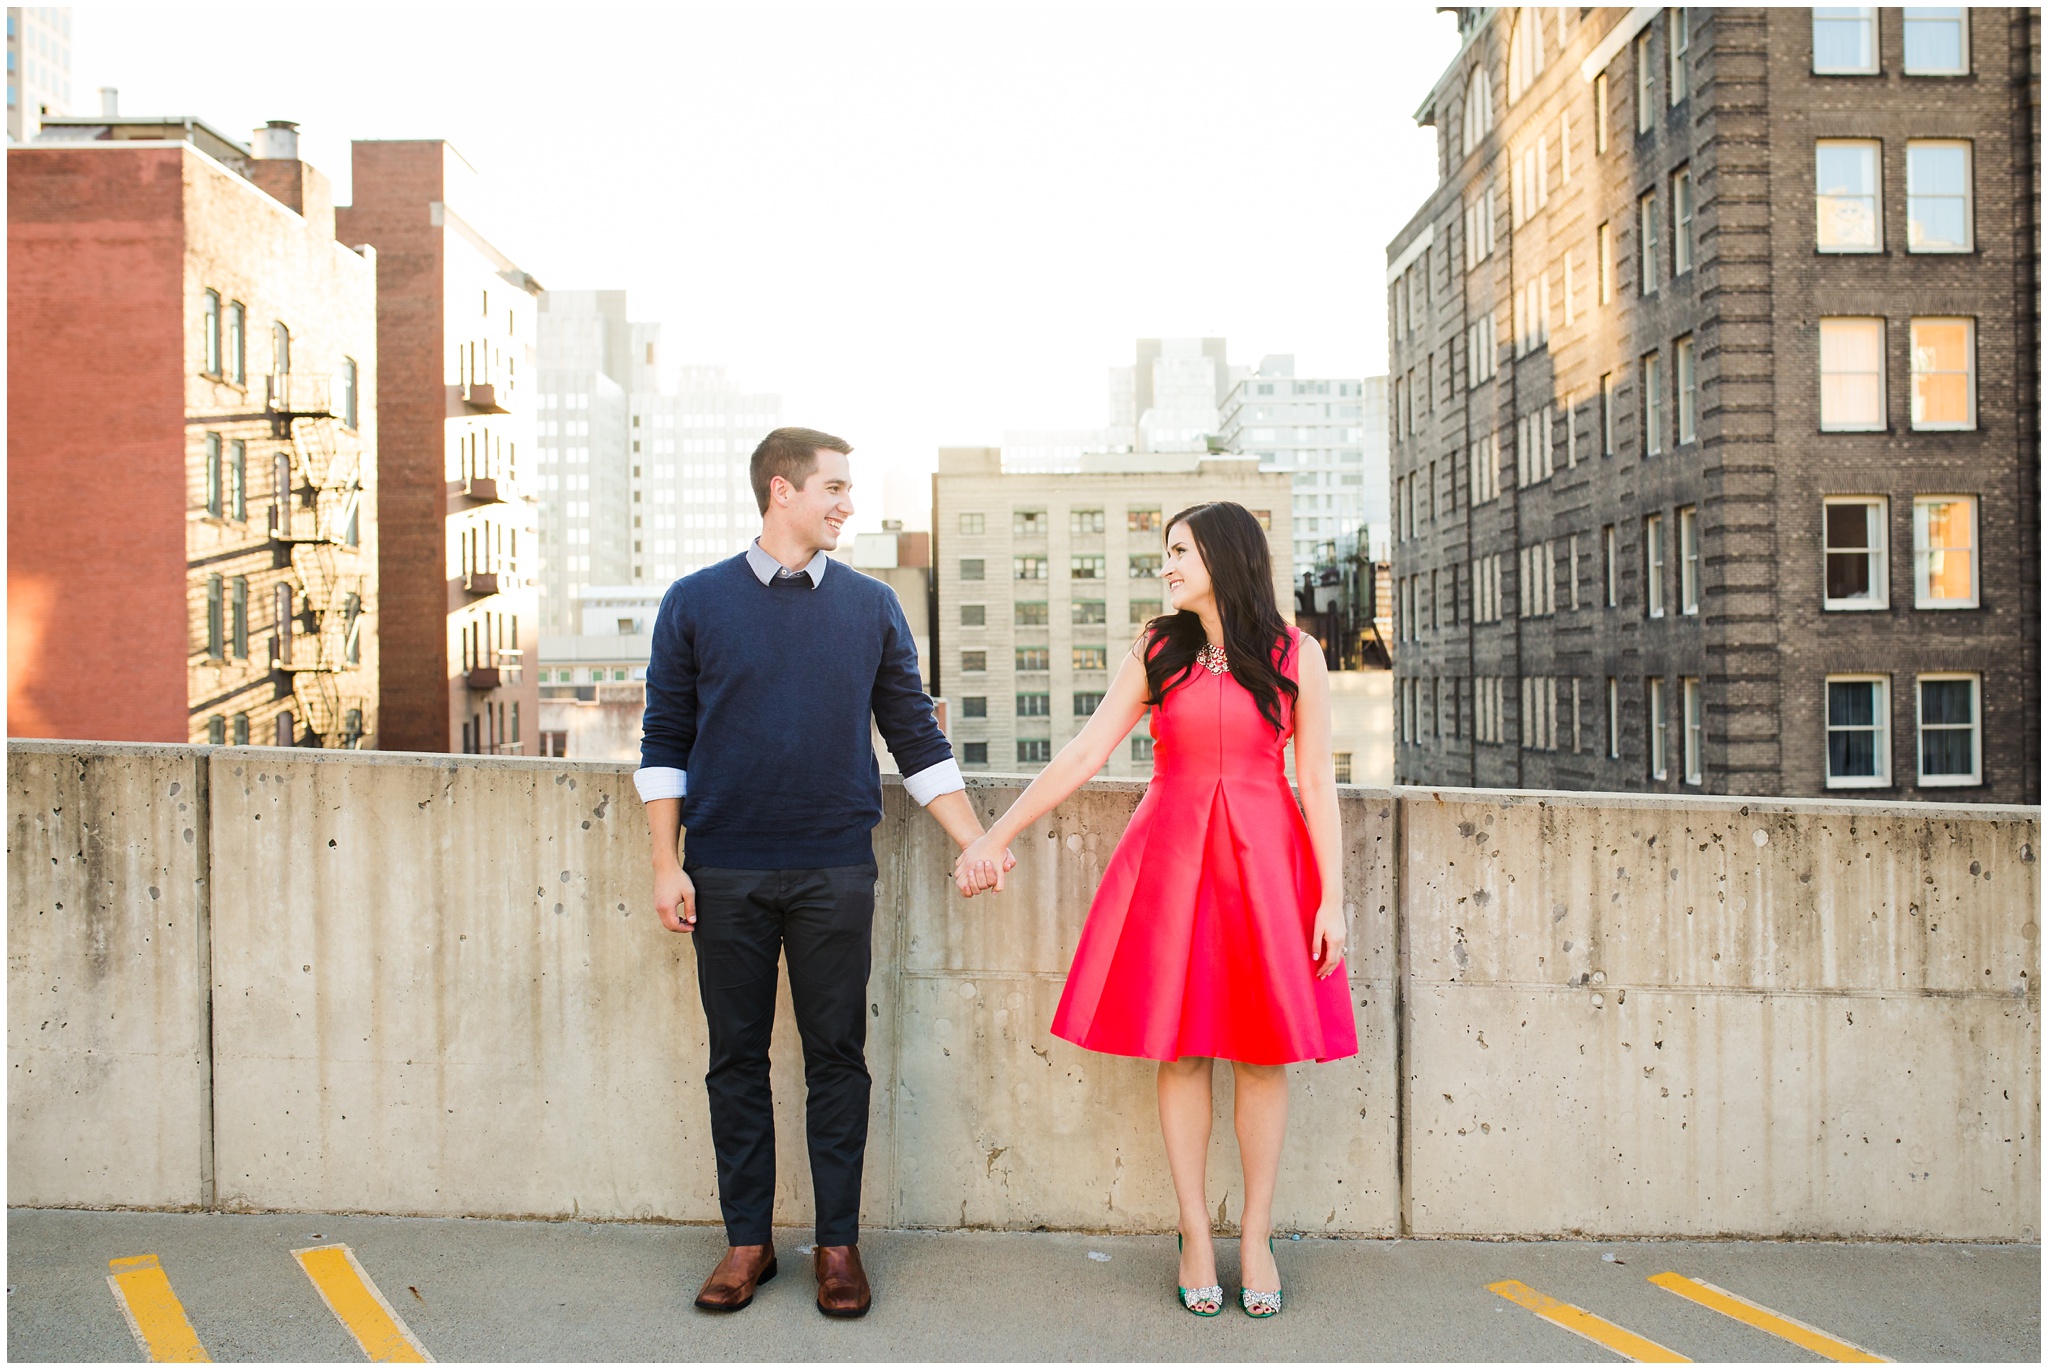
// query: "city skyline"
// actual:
[[955, 292]]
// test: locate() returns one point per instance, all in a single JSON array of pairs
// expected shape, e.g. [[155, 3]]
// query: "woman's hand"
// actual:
[[981, 866], [1326, 943]]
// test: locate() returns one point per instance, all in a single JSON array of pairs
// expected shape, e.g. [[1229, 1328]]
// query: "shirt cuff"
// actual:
[[933, 781], [660, 782]]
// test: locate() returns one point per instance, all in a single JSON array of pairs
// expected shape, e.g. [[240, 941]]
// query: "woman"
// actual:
[[1218, 929]]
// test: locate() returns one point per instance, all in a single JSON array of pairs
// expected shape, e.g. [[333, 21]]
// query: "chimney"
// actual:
[[277, 140], [110, 101]]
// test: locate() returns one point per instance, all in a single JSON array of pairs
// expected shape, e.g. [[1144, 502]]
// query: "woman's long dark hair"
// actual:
[[1233, 547]]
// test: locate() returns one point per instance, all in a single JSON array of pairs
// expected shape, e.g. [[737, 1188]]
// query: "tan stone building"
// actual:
[[1044, 580]]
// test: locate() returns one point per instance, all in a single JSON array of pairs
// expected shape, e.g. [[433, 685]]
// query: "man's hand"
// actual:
[[981, 867], [675, 899]]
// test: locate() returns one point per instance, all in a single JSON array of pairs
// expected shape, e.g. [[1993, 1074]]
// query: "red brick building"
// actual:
[[192, 473], [455, 331]]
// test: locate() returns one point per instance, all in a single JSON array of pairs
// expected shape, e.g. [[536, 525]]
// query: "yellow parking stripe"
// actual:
[[353, 1297], [1762, 1318], [1572, 1318], [153, 1312]]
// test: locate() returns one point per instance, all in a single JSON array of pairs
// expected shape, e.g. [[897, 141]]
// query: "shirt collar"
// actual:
[[764, 566]]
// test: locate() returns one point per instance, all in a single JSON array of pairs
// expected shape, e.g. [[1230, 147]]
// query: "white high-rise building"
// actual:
[[1330, 436], [584, 353], [38, 68], [692, 440]]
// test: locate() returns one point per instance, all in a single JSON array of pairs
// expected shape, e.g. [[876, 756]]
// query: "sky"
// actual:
[[922, 224]]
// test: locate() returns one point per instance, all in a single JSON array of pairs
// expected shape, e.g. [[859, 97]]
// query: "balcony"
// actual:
[[298, 395], [480, 582], [474, 397], [483, 490], [1577, 1014], [484, 677]]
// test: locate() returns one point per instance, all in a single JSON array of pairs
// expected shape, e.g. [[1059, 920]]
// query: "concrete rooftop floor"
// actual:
[[543, 1291]]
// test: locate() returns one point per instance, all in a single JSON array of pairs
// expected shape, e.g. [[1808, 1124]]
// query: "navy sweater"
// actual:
[[762, 694]]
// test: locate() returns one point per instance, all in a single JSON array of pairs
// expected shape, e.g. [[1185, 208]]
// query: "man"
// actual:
[[766, 670]]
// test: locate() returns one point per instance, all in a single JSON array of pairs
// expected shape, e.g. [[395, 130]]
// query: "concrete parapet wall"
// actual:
[[437, 988]]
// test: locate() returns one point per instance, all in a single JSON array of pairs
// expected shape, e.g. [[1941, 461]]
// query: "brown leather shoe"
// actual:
[[731, 1286], [842, 1285]]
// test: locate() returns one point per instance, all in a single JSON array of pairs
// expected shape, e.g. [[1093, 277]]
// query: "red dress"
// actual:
[[1197, 943]]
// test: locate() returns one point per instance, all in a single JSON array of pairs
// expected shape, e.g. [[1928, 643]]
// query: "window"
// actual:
[[973, 525], [1646, 83], [1525, 53], [1033, 751], [1658, 725], [970, 567], [1141, 520], [281, 494], [1610, 570], [1688, 391], [1575, 715], [1031, 613], [1689, 700], [975, 753], [1084, 521], [1948, 729], [238, 617], [1607, 415], [973, 615], [1034, 658], [1853, 538], [1858, 726], [1847, 216], [1845, 41], [1613, 718], [213, 475], [1264, 518], [1572, 571], [1028, 523], [1488, 720], [1091, 658], [974, 706], [1937, 42], [1852, 375], [348, 392], [1478, 118], [1028, 568], [215, 628], [1482, 350], [1485, 472], [1677, 40], [217, 730], [1938, 206], [237, 358], [1681, 218], [1479, 228], [1653, 564], [1090, 611], [241, 725], [1600, 113], [1603, 264], [1688, 560], [1144, 610], [1564, 146], [1486, 588], [209, 331], [352, 629], [1945, 552], [1144, 565], [1646, 244], [1653, 405], [1539, 713], [280, 349], [1341, 764], [1141, 749], [1086, 702], [237, 474], [1944, 373], [1034, 706], [1087, 568], [973, 661]]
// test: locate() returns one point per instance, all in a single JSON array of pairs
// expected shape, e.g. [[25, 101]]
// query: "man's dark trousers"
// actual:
[[823, 920]]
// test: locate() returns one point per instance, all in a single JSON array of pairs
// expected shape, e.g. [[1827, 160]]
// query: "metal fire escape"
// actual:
[[318, 522]]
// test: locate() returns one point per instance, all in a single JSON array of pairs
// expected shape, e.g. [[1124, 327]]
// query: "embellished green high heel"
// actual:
[[1260, 1303], [1211, 1294]]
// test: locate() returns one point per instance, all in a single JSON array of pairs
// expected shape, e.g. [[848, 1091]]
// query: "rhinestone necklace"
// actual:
[[1212, 659]]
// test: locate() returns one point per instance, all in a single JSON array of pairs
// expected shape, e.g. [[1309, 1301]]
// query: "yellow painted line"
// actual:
[[1572, 1318], [353, 1297], [153, 1312], [1762, 1318]]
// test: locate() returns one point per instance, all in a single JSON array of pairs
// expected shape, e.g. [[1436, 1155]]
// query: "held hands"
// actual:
[[982, 866], [1326, 943], [675, 899]]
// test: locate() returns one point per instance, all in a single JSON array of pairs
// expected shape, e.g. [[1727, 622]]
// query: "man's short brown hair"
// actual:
[[791, 453]]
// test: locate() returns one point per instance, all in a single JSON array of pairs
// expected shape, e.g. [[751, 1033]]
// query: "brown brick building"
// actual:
[[192, 472], [1715, 406], [455, 333]]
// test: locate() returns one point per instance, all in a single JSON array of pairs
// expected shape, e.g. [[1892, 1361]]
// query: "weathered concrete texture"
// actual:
[[1712, 1017], [106, 1037]]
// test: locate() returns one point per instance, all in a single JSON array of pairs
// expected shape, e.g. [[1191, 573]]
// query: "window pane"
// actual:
[[1852, 703], [1945, 532], [1852, 753], [1851, 538], [1941, 374], [1845, 196], [1945, 702], [1844, 39], [1947, 751], [1934, 42], [1852, 373], [1938, 197]]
